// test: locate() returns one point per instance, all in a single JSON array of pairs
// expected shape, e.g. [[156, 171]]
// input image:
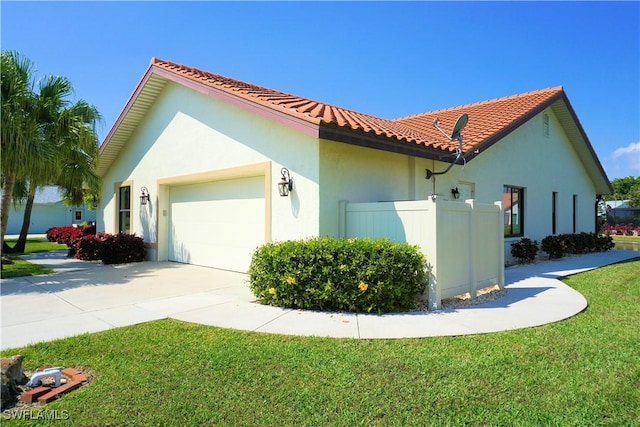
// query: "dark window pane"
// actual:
[[124, 210], [512, 199], [125, 197]]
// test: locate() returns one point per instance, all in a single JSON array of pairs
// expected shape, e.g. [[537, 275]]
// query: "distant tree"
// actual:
[[622, 187], [634, 196]]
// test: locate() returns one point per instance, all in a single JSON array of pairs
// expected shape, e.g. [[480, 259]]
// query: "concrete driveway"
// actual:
[[90, 297]]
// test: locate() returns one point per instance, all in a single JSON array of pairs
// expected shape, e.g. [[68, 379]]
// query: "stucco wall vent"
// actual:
[[545, 125]]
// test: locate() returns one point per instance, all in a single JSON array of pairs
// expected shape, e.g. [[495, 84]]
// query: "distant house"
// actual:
[[210, 153], [619, 211], [48, 211]]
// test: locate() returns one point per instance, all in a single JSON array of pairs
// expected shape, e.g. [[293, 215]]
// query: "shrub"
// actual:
[[64, 235], [89, 247], [89, 229], [123, 248], [524, 250], [355, 275], [555, 246], [604, 243], [621, 229], [577, 243]]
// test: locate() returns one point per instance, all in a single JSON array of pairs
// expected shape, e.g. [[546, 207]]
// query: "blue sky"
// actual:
[[388, 59]]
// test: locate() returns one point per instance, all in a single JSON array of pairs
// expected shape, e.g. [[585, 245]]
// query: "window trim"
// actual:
[[520, 212]]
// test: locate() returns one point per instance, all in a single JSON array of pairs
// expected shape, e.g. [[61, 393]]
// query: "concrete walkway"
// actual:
[[90, 297]]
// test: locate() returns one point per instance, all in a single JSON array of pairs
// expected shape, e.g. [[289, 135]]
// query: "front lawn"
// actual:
[[20, 267], [38, 244], [580, 372], [617, 238]]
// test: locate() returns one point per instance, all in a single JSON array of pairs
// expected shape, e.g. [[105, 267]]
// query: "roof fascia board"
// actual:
[[282, 118], [127, 108], [585, 138], [515, 125], [351, 136]]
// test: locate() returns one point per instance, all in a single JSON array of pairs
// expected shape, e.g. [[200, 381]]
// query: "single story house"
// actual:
[[194, 161], [48, 211], [619, 211]]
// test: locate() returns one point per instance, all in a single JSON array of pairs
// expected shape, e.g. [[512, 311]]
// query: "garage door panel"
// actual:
[[217, 224]]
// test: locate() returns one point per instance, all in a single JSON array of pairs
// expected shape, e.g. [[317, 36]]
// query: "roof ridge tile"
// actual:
[[555, 89]]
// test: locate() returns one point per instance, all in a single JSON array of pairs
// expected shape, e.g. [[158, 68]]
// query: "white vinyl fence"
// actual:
[[463, 242]]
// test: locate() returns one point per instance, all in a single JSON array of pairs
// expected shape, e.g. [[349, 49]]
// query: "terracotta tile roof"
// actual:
[[488, 122], [486, 119], [299, 107]]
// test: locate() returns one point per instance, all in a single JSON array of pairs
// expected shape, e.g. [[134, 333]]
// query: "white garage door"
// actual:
[[217, 224]]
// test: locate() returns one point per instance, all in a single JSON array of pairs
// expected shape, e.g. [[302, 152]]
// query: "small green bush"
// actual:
[[355, 275], [524, 250]]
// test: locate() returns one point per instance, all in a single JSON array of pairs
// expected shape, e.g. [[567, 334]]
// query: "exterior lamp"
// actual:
[[455, 193], [144, 195], [286, 185]]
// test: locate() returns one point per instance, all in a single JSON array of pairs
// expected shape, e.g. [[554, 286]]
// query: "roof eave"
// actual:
[[604, 187], [600, 179], [504, 132], [361, 138], [109, 150]]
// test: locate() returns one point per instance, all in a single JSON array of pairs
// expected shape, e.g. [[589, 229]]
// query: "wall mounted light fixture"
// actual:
[[455, 193], [286, 185], [144, 195]]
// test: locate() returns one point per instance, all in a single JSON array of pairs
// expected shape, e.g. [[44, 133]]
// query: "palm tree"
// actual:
[[46, 140], [74, 144], [19, 129]]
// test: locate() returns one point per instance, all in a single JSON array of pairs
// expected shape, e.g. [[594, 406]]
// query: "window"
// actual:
[[78, 215], [575, 212], [554, 212], [124, 209], [513, 204]]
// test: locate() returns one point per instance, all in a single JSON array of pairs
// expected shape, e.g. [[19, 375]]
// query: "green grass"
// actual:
[[584, 371], [38, 244], [20, 267], [617, 238]]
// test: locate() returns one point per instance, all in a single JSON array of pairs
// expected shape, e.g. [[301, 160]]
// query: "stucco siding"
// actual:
[[357, 174], [47, 215], [186, 133], [541, 165], [526, 158]]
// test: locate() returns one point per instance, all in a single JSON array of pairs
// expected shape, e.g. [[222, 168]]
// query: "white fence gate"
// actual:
[[463, 242]]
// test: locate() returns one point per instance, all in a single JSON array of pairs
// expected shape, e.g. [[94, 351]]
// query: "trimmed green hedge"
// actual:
[[354, 275]]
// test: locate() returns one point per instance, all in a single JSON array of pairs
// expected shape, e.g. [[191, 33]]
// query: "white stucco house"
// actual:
[[209, 151], [48, 211]]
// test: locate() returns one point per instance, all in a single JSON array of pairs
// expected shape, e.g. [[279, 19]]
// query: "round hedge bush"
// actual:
[[327, 274]]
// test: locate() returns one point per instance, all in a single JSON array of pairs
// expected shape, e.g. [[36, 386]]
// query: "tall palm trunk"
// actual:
[[7, 193], [18, 248]]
